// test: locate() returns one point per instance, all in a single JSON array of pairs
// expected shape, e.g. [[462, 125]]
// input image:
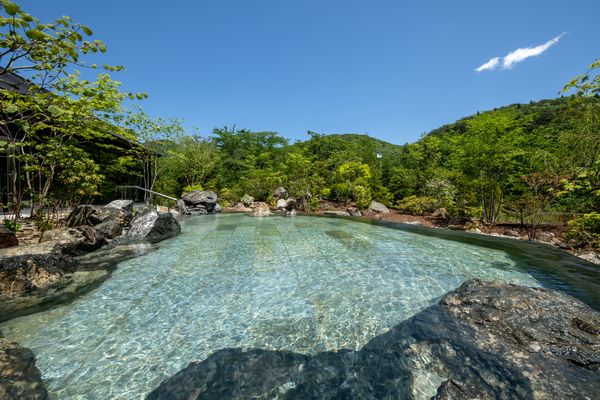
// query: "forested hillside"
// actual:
[[518, 160]]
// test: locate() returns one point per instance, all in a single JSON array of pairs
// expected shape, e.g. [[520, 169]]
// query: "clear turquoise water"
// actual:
[[304, 284]]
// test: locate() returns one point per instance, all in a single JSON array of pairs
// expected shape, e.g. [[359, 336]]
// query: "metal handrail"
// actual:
[[148, 191]]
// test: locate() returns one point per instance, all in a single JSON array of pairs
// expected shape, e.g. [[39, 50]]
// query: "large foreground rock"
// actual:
[[150, 226], [19, 377], [484, 340]]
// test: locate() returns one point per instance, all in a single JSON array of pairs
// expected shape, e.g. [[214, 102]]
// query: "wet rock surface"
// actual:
[[453, 390], [33, 282], [19, 377], [148, 225], [39, 275], [30, 268], [484, 340]]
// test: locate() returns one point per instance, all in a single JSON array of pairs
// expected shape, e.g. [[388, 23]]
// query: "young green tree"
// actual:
[[491, 152], [43, 121]]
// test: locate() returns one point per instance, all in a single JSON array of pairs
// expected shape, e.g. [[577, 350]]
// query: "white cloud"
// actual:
[[493, 63], [518, 55]]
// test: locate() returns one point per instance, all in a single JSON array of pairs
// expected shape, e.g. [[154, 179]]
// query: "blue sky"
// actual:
[[394, 69]]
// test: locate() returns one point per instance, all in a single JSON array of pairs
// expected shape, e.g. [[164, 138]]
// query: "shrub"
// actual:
[[417, 205], [442, 190], [225, 203], [12, 225], [584, 230], [247, 200], [44, 223], [191, 188], [362, 196]]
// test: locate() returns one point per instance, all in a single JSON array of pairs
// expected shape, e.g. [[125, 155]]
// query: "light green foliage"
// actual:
[[43, 51], [247, 200], [442, 191], [417, 205], [194, 159], [353, 182], [47, 128], [362, 195], [587, 84], [12, 225], [191, 188], [584, 230]]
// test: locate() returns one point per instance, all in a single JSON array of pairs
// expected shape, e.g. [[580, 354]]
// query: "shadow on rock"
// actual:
[[484, 340]]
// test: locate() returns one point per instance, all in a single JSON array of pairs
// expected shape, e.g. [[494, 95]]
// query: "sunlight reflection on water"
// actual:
[[303, 284]]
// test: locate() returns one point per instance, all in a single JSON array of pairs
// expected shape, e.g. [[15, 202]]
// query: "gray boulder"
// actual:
[[291, 204], [19, 376], [354, 211], [260, 209], [218, 208], [281, 204], [203, 197], [182, 208], [547, 237], [7, 238], [150, 226], [240, 207], [125, 205], [378, 208], [75, 240], [198, 210], [87, 214], [280, 192], [200, 202], [31, 267], [109, 229]]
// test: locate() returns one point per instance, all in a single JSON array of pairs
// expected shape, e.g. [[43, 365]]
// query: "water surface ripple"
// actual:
[[304, 284]]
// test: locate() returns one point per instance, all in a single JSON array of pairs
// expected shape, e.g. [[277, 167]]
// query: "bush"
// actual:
[[362, 196], [191, 188], [417, 205], [584, 231], [247, 200], [12, 225], [225, 203], [44, 223]]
